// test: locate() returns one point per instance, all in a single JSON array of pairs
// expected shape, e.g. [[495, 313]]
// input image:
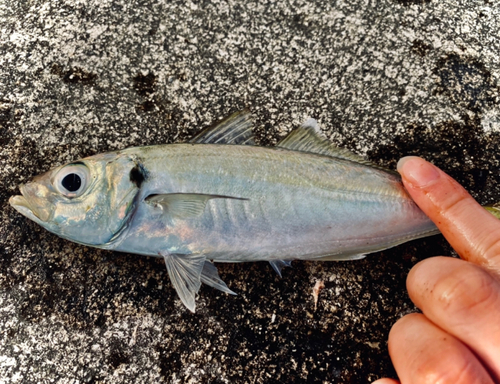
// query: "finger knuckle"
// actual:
[[457, 201], [466, 290], [492, 250], [447, 371]]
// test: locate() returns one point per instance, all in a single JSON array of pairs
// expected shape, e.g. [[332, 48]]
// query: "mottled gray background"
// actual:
[[385, 78]]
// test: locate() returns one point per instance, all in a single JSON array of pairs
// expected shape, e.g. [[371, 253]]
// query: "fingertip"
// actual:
[[418, 172], [402, 323], [398, 332]]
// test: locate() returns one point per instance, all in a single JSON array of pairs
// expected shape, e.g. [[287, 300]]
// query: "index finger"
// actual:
[[471, 230]]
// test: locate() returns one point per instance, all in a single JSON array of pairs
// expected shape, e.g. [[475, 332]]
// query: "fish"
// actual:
[[220, 198]]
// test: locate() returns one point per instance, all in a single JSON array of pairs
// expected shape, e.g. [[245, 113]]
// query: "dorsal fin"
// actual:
[[308, 138], [234, 129]]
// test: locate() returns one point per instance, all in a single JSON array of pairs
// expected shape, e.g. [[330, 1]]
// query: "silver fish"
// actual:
[[220, 198]]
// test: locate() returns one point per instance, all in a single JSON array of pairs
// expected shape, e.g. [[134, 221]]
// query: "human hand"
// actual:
[[457, 337]]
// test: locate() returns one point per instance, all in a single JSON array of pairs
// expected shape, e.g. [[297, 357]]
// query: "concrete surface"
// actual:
[[385, 78]]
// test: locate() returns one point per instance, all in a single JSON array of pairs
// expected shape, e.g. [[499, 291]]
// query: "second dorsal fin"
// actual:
[[307, 138], [234, 129]]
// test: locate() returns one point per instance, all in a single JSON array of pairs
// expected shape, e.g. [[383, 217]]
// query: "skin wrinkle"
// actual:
[[458, 285], [473, 241], [464, 372], [481, 248], [493, 263]]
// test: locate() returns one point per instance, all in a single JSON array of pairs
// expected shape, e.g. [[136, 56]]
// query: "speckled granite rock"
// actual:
[[385, 78]]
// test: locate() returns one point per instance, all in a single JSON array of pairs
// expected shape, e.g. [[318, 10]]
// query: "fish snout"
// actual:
[[34, 199]]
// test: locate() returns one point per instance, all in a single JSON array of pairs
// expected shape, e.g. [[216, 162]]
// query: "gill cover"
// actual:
[[107, 202]]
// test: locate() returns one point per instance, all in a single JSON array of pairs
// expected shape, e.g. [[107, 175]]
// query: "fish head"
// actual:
[[87, 201]]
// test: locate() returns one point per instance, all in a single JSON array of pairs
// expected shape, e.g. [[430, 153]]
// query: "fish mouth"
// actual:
[[21, 205], [32, 210]]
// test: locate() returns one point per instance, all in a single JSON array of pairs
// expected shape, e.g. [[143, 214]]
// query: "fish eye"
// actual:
[[72, 180]]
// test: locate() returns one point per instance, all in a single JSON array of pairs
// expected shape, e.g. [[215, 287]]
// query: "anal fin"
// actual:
[[278, 265], [210, 276], [185, 273]]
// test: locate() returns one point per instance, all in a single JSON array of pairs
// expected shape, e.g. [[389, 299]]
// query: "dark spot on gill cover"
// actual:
[[138, 174]]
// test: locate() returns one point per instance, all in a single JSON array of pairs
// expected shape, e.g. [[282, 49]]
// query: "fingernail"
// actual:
[[417, 171]]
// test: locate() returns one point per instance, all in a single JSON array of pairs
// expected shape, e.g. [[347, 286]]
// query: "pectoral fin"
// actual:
[[184, 205], [185, 273]]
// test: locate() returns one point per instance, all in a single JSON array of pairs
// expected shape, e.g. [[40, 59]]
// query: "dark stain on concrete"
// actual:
[[420, 48], [412, 2], [448, 144], [147, 106], [118, 355], [145, 85], [466, 81], [74, 75], [6, 116], [5, 111]]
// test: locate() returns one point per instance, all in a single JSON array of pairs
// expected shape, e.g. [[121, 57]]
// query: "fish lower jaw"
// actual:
[[21, 204]]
